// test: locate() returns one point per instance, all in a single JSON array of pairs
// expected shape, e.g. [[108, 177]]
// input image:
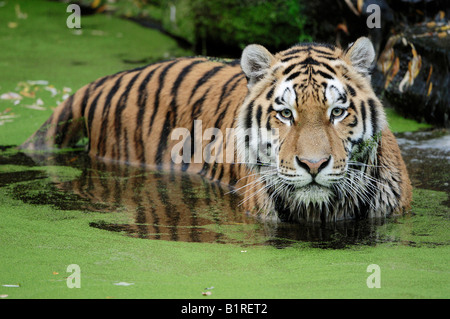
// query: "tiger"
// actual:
[[309, 137]]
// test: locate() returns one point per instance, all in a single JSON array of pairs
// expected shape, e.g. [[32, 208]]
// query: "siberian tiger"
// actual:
[[312, 140]]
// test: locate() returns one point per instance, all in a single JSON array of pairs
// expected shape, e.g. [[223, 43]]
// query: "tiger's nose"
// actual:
[[313, 167]]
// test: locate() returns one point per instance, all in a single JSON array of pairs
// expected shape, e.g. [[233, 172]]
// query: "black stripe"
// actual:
[[180, 78], [233, 87], [258, 115], [294, 51], [352, 106], [289, 69], [363, 115], [293, 76], [121, 105], [354, 123], [101, 147], [91, 116], [171, 115], [321, 52], [329, 68], [224, 89], [85, 99], [248, 120], [100, 81], [351, 90], [203, 79], [125, 144], [221, 116], [162, 145], [374, 116], [268, 126], [161, 79], [309, 60], [64, 120], [196, 110], [330, 57], [286, 59], [140, 116], [324, 74], [270, 93]]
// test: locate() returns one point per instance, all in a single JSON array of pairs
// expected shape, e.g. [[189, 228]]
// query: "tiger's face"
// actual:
[[308, 111]]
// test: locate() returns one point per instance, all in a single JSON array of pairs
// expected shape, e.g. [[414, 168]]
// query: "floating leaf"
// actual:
[[52, 90], [123, 283], [10, 96], [35, 107], [38, 82], [19, 13]]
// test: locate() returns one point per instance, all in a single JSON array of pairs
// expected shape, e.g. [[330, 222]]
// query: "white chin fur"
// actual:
[[312, 194]]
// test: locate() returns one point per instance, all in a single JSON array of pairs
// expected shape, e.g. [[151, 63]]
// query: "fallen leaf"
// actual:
[[123, 283], [38, 82], [430, 87], [35, 107], [19, 13], [28, 94], [3, 296], [12, 25], [394, 70], [11, 286], [52, 90], [10, 96], [206, 293]]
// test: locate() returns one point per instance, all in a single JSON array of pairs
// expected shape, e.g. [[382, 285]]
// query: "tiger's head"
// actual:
[[307, 113]]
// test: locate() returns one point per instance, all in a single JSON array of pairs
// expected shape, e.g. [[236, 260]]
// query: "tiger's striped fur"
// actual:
[[323, 166]]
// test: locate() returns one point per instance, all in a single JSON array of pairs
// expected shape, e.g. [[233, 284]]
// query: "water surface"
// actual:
[[191, 208]]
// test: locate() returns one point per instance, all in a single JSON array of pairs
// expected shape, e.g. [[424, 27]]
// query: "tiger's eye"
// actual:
[[286, 113], [336, 112]]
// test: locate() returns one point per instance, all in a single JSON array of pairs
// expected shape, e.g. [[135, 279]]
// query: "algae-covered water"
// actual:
[[137, 233]]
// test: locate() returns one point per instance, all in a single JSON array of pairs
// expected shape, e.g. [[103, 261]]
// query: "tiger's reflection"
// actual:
[[186, 207]]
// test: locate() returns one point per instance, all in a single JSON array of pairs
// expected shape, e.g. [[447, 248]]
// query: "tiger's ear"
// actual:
[[362, 55], [255, 62]]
